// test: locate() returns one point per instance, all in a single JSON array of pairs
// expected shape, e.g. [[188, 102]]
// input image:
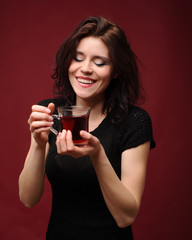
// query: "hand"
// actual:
[[66, 146], [40, 122]]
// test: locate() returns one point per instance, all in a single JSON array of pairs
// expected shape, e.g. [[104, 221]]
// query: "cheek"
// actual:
[[70, 73], [72, 67], [70, 70], [107, 76]]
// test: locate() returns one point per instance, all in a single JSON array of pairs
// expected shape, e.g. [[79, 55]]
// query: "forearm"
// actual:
[[31, 180], [120, 202]]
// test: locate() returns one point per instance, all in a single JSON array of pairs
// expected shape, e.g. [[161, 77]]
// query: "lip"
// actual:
[[85, 78], [84, 84]]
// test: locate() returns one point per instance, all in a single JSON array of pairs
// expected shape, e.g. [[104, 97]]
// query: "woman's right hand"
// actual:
[[40, 121]]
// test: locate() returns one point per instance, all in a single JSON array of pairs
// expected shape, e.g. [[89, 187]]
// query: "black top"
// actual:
[[78, 208]]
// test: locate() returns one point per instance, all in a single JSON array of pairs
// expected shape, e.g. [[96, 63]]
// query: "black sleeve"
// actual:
[[137, 129], [45, 102], [57, 101]]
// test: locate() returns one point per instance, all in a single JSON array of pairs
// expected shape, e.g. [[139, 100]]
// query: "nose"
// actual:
[[86, 68]]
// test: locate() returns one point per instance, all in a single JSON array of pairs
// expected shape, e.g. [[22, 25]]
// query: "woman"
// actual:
[[97, 189]]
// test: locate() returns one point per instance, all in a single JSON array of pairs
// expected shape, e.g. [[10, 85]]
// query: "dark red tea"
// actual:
[[75, 124]]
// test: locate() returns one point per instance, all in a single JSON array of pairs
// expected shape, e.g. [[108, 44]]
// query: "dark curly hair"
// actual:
[[125, 89]]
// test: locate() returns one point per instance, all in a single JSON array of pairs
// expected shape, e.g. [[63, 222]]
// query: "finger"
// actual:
[[89, 137], [58, 143], [39, 116], [40, 124], [39, 108], [51, 107], [39, 130], [69, 141], [63, 145]]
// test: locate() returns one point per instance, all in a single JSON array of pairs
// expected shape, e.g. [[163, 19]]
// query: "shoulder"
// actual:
[[137, 127], [138, 115]]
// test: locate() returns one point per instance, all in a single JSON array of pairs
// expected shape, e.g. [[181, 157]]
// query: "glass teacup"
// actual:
[[75, 119]]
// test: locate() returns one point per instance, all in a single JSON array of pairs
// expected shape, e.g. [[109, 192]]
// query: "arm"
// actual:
[[31, 179], [123, 196]]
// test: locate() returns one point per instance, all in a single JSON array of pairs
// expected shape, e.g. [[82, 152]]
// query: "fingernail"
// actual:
[[83, 134], [48, 110]]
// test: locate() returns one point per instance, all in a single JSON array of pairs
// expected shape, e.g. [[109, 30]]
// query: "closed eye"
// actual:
[[100, 64], [101, 61], [78, 59]]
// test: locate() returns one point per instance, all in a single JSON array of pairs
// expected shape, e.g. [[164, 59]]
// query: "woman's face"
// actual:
[[91, 70]]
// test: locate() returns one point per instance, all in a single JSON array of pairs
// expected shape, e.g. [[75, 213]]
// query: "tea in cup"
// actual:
[[75, 119]]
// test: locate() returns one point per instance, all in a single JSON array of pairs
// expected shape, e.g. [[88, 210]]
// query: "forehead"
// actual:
[[93, 46]]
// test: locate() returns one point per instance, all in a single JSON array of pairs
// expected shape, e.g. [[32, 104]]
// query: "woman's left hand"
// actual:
[[66, 146]]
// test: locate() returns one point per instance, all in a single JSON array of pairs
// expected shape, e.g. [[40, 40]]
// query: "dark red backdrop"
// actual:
[[160, 34]]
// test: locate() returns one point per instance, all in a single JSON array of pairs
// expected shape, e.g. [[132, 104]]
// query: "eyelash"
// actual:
[[97, 64], [100, 64], [78, 60]]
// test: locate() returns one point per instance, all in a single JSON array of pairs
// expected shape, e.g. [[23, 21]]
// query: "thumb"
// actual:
[[92, 139], [51, 106]]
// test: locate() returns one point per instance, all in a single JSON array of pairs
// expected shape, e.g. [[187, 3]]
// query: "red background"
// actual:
[[160, 34]]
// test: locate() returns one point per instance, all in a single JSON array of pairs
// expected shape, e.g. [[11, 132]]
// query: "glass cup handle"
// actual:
[[53, 129]]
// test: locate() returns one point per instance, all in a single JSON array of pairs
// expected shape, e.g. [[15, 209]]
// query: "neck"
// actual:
[[96, 114], [96, 104]]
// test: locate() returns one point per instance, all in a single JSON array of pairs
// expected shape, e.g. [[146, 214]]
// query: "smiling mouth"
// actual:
[[85, 80]]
